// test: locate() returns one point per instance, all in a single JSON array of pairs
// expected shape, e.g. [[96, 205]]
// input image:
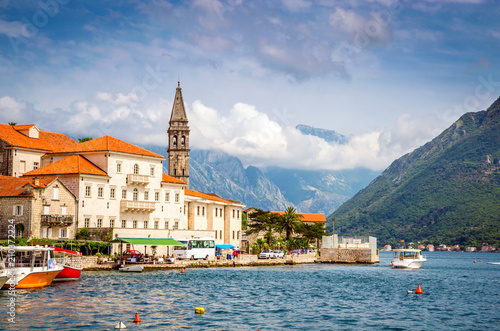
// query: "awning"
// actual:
[[150, 241], [226, 246]]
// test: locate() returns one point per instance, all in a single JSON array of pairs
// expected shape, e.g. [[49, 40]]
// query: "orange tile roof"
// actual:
[[169, 179], [75, 164], [208, 196], [108, 143], [47, 141], [23, 127], [307, 217], [13, 186]]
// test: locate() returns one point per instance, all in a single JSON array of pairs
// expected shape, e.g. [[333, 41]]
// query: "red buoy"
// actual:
[[480, 261], [182, 270], [474, 261], [419, 290], [137, 318]]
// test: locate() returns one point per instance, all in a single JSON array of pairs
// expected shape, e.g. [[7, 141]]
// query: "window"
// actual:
[[17, 211], [22, 168], [176, 197], [112, 193], [215, 234], [118, 167], [99, 222], [124, 224], [183, 141], [166, 224], [216, 209], [157, 196], [111, 223], [135, 196], [198, 213], [233, 215], [136, 169], [63, 233], [184, 209], [36, 165], [99, 192], [128, 247], [87, 191], [55, 193], [146, 196], [237, 234], [63, 211], [156, 224], [87, 222], [46, 210], [134, 224], [176, 225], [203, 211], [152, 171], [220, 234], [124, 194], [167, 197], [233, 234], [174, 141], [145, 224], [237, 214]]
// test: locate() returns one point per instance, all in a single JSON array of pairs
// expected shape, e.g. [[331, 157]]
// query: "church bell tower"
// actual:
[[178, 139]]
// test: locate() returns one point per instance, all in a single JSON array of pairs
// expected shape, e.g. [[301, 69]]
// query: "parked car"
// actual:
[[237, 252], [132, 254], [267, 254], [279, 254], [297, 252]]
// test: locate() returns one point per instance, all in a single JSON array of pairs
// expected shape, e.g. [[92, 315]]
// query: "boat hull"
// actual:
[[36, 279], [3, 280], [133, 268], [415, 264], [68, 274]]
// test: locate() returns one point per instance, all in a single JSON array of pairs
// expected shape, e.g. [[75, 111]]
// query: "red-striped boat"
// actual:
[[72, 263]]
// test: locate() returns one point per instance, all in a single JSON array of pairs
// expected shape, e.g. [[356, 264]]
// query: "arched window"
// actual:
[[174, 141], [136, 169], [136, 194], [183, 140]]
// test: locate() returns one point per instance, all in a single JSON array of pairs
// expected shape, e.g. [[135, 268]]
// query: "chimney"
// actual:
[[36, 181]]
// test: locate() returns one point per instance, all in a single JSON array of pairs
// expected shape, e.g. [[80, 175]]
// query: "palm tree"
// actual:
[[289, 222]]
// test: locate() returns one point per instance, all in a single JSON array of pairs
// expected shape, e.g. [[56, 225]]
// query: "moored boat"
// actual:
[[3, 273], [71, 262], [34, 266], [407, 258], [131, 268]]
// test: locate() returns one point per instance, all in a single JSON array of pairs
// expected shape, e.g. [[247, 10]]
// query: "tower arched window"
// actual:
[[135, 196], [136, 169], [183, 141], [174, 141]]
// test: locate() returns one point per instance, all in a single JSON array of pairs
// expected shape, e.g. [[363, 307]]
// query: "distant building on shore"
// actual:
[[430, 248], [387, 248]]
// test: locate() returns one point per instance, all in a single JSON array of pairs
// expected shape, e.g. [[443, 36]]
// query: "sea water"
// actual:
[[458, 295]]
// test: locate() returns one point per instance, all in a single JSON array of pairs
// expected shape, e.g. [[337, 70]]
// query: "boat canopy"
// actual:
[[62, 250], [150, 241], [406, 250]]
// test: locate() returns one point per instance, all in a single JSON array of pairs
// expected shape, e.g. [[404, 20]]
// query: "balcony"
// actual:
[[57, 220], [137, 206], [137, 179]]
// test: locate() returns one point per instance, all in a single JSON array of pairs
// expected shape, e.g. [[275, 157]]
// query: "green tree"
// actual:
[[12, 123], [83, 233], [82, 140], [261, 220], [313, 231], [289, 222]]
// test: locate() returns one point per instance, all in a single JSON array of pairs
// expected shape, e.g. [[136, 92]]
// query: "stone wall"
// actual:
[[345, 255], [6, 213]]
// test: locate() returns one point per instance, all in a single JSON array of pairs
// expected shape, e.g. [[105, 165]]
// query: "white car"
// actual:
[[279, 254], [267, 254]]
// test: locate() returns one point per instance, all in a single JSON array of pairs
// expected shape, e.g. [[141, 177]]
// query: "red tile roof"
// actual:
[[169, 179], [307, 217], [75, 164], [13, 186], [208, 196], [47, 141], [108, 143]]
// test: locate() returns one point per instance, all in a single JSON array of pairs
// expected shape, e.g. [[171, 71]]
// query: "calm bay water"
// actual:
[[458, 294]]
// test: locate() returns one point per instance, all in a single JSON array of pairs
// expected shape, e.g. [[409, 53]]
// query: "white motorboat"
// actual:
[[494, 263], [3, 272], [33, 266], [131, 268], [407, 258]]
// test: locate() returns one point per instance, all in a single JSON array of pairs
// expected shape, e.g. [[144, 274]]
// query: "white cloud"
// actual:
[[296, 5], [12, 29], [11, 110]]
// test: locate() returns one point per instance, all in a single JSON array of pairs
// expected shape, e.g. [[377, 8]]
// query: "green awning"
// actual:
[[150, 241]]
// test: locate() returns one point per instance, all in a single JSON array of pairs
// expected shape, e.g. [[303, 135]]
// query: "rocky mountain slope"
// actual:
[[447, 191]]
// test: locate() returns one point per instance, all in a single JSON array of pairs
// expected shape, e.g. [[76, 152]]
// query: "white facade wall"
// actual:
[[24, 160]]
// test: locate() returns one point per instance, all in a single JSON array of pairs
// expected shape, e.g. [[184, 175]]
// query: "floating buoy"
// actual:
[[419, 290], [474, 261], [480, 261], [137, 319], [120, 325], [182, 270], [199, 310], [410, 292]]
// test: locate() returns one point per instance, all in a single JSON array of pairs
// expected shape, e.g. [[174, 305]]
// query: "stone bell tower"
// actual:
[[178, 139]]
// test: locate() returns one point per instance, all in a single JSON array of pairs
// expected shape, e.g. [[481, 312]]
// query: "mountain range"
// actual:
[[447, 191]]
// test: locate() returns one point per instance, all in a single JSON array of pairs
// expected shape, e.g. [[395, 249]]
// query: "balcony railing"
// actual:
[[57, 220], [137, 179], [139, 206]]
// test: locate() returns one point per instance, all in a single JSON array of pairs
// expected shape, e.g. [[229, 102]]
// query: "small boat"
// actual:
[[3, 272], [131, 268], [71, 262], [34, 266], [407, 258], [494, 263]]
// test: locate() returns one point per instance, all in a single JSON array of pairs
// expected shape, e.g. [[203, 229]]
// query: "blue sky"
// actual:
[[389, 74]]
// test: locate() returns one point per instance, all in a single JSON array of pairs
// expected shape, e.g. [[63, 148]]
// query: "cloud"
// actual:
[[296, 5], [12, 29]]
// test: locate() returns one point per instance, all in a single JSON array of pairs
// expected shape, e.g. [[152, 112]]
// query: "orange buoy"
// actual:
[[137, 319], [474, 261], [182, 270], [419, 290], [480, 261]]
